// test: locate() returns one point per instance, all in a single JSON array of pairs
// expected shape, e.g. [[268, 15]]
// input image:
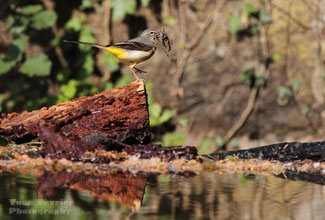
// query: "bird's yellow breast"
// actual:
[[130, 56]]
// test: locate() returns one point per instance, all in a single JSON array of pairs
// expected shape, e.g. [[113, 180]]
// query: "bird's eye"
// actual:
[[152, 32]]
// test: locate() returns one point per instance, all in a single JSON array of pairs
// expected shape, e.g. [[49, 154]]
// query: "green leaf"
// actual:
[[305, 109], [264, 17], [173, 139], [15, 54], [149, 93], [183, 122], [276, 57], [63, 75], [121, 8], [5, 66], [234, 24], [86, 36], [55, 42], [38, 65], [154, 113], [166, 116], [10, 104], [111, 62], [219, 141], [31, 9], [86, 4], [204, 146], [230, 158], [21, 42], [17, 24], [145, 3], [250, 9], [169, 20], [295, 84], [1, 100], [44, 19], [3, 141], [124, 80], [88, 64], [108, 86], [248, 76], [75, 23], [283, 91], [10, 21], [70, 90]]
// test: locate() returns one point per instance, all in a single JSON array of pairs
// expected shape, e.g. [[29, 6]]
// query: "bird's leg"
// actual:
[[138, 70], [135, 75], [131, 65]]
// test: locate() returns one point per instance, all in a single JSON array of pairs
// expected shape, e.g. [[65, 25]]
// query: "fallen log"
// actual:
[[87, 123], [290, 151], [107, 120]]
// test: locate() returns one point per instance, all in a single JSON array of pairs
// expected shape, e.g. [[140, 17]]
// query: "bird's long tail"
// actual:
[[88, 44]]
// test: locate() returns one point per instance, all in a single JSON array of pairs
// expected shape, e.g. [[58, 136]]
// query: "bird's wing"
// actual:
[[133, 45]]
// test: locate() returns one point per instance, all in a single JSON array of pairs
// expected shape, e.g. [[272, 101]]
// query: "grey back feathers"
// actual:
[[145, 42]]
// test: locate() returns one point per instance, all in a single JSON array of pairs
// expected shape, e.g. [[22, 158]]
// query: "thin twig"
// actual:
[[203, 27], [244, 116]]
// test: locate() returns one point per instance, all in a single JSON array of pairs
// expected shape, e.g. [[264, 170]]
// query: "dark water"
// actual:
[[123, 195]]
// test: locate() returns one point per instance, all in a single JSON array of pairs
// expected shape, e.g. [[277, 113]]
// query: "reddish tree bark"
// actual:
[[119, 114]]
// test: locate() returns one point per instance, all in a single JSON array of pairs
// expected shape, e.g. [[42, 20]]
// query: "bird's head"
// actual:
[[150, 34]]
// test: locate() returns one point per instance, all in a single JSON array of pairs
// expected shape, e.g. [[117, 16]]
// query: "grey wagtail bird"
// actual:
[[131, 52]]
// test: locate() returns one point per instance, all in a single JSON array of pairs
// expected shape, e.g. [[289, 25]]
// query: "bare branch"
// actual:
[[205, 26], [244, 116]]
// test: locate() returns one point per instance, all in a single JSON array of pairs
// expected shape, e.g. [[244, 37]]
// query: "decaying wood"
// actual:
[[164, 153], [290, 151], [119, 114]]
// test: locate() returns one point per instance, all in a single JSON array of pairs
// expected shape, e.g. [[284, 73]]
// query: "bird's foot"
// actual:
[[139, 71], [140, 80]]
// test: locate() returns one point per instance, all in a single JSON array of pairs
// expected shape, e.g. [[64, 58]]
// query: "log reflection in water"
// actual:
[[122, 187]]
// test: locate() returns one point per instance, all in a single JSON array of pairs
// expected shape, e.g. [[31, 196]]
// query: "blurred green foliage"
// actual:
[[122, 8], [249, 20], [205, 145], [33, 58], [169, 20], [157, 114], [285, 91]]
